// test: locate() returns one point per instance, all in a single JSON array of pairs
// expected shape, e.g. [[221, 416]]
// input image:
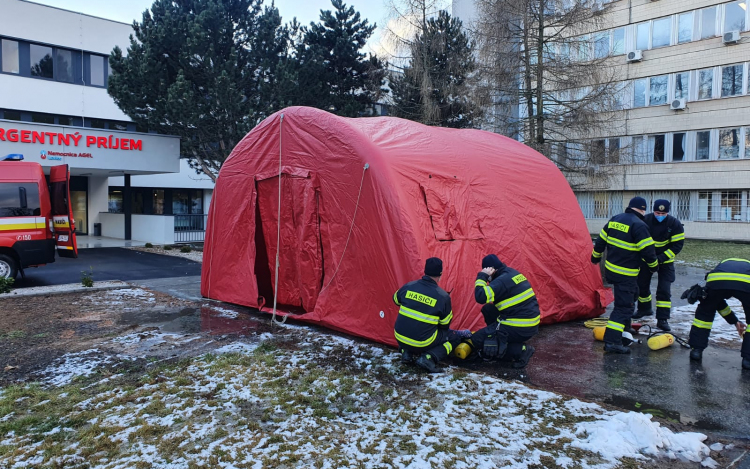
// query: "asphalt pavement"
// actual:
[[109, 264]]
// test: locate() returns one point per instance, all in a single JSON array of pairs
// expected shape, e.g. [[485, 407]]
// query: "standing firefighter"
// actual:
[[627, 241], [730, 279], [510, 311], [669, 236], [424, 317]]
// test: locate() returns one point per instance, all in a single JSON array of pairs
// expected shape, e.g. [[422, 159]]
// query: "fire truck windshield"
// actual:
[[19, 200]]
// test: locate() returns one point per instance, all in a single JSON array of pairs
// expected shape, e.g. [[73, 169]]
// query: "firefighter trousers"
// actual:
[[443, 345], [706, 312], [666, 277], [513, 336], [626, 291]]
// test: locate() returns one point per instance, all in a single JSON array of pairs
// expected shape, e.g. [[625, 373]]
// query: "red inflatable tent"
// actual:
[[363, 203]]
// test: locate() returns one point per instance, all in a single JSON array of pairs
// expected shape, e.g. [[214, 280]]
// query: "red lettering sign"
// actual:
[[110, 142]]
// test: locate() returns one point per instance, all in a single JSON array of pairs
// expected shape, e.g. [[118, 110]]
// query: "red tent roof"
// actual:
[[427, 191]]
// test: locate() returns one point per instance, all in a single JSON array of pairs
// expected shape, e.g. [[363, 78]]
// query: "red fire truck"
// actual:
[[35, 219]]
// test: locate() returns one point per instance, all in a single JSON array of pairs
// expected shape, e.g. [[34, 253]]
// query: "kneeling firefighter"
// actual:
[[422, 327], [730, 279], [510, 311]]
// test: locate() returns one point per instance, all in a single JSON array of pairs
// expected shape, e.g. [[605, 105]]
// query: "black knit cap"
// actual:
[[661, 205], [638, 202], [433, 267], [491, 260]]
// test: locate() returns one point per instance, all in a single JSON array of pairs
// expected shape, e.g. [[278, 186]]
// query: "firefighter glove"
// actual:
[[595, 260], [694, 293]]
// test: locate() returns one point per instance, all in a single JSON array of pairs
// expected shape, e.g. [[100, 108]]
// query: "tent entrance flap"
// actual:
[[300, 256]]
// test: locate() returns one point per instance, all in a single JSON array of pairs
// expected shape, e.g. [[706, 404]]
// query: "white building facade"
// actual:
[[54, 109], [686, 119]]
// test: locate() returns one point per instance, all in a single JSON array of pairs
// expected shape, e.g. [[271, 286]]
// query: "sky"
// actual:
[[304, 10]]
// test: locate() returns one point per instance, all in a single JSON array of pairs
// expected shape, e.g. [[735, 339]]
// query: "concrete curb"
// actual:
[[67, 288]]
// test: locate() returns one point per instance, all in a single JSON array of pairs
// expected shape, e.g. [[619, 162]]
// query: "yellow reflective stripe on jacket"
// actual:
[[645, 243], [646, 299], [597, 255], [448, 347], [663, 304], [736, 260], [514, 300], [661, 244], [669, 253], [395, 298], [620, 270], [615, 326], [603, 235], [702, 324], [415, 343], [678, 237], [488, 292], [670, 261], [622, 244], [517, 322], [719, 276], [652, 264], [725, 312], [447, 319], [421, 317]]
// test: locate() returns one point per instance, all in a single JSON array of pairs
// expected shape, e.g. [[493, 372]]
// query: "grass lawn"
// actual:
[[701, 253]]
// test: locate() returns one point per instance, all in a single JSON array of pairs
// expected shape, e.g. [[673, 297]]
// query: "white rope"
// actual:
[[351, 228], [278, 235]]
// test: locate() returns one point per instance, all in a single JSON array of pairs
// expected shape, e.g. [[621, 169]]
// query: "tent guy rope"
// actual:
[[278, 235]]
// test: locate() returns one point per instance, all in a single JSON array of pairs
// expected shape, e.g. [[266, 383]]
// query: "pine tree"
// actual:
[[202, 70], [435, 86], [333, 73]]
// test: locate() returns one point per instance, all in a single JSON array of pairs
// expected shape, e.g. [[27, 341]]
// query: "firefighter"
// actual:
[[510, 311], [627, 241], [730, 279], [422, 327], [669, 236]]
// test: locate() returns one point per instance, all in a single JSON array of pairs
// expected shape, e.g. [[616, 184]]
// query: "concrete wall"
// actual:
[[113, 225], [98, 202], [156, 229]]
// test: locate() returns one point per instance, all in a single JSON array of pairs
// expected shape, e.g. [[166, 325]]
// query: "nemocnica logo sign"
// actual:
[[76, 139]]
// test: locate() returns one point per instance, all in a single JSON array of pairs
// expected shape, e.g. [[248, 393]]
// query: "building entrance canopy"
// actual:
[[90, 152]]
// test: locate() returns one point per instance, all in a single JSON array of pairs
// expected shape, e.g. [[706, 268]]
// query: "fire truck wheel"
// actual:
[[8, 266]]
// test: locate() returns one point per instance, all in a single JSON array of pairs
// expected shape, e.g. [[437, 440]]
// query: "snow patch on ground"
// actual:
[[722, 332], [236, 347], [72, 365], [224, 313]]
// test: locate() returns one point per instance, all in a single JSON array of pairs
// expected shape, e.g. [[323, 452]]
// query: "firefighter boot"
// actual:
[[746, 363], [663, 324], [615, 348], [696, 354], [643, 312], [523, 360], [428, 363], [407, 357]]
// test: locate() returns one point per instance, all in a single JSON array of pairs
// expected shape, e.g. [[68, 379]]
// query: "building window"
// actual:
[[41, 118], [681, 85], [708, 22], [678, 146], [600, 204], [656, 148], [729, 143], [601, 45], [64, 65], [180, 202], [658, 90], [96, 123], [618, 41], [731, 206], [639, 90], [9, 53], [115, 201], [65, 120], [641, 36], [11, 115], [747, 142], [640, 154], [157, 201], [704, 206], [703, 145], [734, 16], [705, 83], [41, 61], [661, 32], [685, 27], [731, 80], [97, 70], [682, 205], [614, 151]]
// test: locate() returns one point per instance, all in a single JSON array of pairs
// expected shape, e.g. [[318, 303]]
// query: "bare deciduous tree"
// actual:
[[552, 61]]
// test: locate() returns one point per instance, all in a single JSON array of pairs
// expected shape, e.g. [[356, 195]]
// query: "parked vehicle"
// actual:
[[35, 218]]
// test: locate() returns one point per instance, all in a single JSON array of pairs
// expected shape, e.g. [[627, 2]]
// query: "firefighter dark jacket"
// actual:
[[731, 275], [668, 236], [628, 241], [423, 308], [512, 295]]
